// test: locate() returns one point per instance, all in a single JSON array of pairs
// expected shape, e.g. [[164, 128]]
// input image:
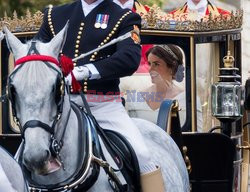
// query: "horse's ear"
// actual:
[[14, 44], [58, 41]]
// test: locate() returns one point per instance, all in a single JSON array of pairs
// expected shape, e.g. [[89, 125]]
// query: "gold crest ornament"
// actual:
[[135, 35]]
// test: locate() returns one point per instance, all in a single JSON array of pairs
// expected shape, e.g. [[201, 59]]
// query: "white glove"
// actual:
[[80, 73]]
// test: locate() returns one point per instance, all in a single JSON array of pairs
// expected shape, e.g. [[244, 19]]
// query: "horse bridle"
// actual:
[[34, 55], [56, 145]]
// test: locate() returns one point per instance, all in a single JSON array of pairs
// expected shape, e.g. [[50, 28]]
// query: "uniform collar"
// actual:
[[200, 7], [88, 8], [129, 4]]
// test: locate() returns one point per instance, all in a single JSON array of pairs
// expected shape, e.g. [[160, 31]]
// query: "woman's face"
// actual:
[[158, 69]]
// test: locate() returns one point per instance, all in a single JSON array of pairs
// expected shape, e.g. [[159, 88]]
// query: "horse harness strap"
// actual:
[[36, 123]]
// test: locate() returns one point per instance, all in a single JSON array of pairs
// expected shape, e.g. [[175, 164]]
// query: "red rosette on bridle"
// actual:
[[67, 67]]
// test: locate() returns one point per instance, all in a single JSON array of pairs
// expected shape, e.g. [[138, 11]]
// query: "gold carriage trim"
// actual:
[[158, 20], [154, 19], [28, 23]]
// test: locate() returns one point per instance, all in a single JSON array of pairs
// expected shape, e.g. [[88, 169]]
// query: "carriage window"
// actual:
[[160, 76]]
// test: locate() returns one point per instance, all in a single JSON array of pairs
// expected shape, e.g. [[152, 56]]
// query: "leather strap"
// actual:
[[85, 103], [37, 123]]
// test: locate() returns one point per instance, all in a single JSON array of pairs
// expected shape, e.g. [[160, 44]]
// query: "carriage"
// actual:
[[215, 148]]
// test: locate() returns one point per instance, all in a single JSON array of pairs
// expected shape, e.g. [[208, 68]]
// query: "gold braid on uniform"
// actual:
[[78, 40], [50, 20], [77, 45], [51, 24]]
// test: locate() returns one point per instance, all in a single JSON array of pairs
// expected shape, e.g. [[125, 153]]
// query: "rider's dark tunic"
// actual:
[[121, 59]]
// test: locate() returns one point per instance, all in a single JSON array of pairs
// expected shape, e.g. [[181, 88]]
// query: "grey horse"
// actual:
[[33, 91], [11, 176]]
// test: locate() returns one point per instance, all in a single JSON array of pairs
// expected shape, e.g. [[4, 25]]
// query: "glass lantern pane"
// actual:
[[226, 100]]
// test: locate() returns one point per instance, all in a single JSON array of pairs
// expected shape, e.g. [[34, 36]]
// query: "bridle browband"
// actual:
[[34, 55], [44, 58]]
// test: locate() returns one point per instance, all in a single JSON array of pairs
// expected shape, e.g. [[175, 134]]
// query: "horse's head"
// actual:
[[35, 89]]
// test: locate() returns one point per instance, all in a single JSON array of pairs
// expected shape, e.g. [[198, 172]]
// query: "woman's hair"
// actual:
[[169, 53]]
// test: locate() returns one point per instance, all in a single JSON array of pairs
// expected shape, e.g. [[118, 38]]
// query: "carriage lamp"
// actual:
[[227, 93]]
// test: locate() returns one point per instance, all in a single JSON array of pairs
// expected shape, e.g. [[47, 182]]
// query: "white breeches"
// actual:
[[113, 116]]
